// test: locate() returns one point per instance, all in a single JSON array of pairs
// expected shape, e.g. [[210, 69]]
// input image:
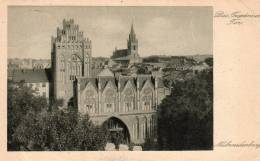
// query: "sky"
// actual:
[[160, 30]]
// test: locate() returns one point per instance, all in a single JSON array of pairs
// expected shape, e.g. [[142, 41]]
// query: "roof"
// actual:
[[96, 71], [105, 72], [119, 53], [32, 75], [122, 58]]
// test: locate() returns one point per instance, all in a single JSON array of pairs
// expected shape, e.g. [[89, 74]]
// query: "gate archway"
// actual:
[[119, 133]]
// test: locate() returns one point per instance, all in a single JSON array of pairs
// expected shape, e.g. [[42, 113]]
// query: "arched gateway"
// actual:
[[118, 130]]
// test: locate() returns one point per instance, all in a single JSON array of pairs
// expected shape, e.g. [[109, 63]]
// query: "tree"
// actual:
[[209, 61], [185, 118], [20, 100], [32, 126], [59, 131]]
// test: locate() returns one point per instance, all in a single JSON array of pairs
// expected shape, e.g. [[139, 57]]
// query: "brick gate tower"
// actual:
[[70, 57]]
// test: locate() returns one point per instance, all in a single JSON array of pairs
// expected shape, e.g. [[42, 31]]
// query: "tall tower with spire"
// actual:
[[130, 55], [132, 42]]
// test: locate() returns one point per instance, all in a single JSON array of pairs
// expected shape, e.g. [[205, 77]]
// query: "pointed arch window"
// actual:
[[90, 101], [109, 102], [147, 97], [128, 100], [62, 67]]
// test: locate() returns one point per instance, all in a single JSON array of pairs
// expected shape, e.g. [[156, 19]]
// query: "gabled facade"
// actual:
[[133, 100]]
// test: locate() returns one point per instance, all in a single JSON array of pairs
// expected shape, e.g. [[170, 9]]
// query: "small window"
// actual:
[[43, 84], [73, 77], [89, 107], [147, 105], [128, 106], [109, 107]]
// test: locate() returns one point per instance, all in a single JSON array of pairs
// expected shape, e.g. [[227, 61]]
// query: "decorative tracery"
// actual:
[[109, 104], [90, 101], [128, 100], [147, 97]]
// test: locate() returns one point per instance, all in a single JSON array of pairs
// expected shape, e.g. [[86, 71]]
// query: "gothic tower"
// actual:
[[132, 43], [70, 57]]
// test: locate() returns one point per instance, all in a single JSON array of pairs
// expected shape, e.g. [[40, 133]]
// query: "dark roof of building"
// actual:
[[126, 58], [32, 75], [120, 54]]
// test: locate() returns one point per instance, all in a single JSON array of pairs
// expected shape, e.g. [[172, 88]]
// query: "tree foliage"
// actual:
[[31, 126], [20, 100], [59, 131], [185, 118], [209, 61]]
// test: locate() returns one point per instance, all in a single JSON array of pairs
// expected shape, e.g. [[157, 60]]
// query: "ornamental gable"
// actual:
[[109, 85], [109, 94], [83, 82], [128, 85], [147, 84], [90, 87], [128, 94]]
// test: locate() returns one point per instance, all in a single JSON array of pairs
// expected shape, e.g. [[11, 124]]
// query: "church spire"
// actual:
[[132, 33], [132, 28]]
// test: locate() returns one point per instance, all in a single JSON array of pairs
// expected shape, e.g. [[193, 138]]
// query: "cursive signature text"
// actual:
[[236, 17]]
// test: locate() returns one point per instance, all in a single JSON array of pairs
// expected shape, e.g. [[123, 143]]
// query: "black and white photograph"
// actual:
[[110, 78]]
